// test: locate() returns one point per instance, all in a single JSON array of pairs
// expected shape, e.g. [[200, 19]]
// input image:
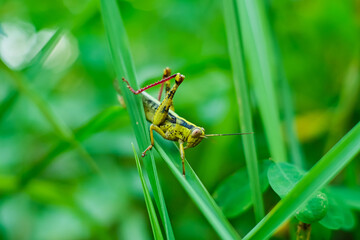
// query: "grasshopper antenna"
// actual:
[[225, 134]]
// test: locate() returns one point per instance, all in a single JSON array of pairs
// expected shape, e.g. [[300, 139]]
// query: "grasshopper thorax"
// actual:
[[197, 134]]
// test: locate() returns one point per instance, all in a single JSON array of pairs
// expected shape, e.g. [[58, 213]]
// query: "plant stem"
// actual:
[[303, 231]]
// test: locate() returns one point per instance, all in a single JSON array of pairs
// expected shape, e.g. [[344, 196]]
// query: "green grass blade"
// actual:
[[100, 122], [155, 226], [295, 151], [245, 115], [8, 103], [322, 173], [56, 123], [196, 190], [124, 67], [256, 50], [349, 97], [37, 62]]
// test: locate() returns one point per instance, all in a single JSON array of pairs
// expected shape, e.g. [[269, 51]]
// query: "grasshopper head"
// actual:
[[197, 134]]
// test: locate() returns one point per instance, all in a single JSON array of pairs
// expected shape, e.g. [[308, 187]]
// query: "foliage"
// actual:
[[286, 70]]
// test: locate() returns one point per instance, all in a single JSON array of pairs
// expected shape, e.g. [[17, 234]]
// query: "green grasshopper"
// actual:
[[165, 121]]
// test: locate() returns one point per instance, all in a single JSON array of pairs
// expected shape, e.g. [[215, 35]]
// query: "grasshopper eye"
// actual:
[[196, 133]]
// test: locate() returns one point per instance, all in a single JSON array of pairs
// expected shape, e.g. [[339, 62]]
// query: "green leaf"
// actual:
[[236, 52], [315, 209], [283, 177], [338, 216], [155, 226], [349, 196], [196, 190], [124, 67], [233, 195], [321, 174]]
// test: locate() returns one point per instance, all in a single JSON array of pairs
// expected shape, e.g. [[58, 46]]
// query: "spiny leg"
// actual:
[[167, 90], [149, 86], [166, 73], [158, 130], [182, 155]]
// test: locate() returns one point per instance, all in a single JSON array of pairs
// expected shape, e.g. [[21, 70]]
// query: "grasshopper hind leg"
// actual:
[[166, 73]]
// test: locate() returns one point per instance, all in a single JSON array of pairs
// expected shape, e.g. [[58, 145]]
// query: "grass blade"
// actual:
[[56, 123], [37, 62], [296, 153], [100, 122], [348, 100], [196, 190], [322, 173], [245, 115], [256, 49], [155, 226], [8, 103], [124, 67]]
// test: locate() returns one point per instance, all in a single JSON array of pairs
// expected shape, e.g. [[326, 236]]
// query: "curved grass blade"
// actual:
[[196, 190], [100, 122], [35, 65], [8, 103], [124, 67], [245, 115], [322, 173], [257, 51], [155, 226], [56, 123]]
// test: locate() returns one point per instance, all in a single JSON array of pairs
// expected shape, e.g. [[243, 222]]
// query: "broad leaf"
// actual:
[[283, 177], [338, 216], [233, 195], [350, 196]]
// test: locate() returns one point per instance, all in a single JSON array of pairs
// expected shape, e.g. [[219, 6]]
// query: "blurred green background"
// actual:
[[48, 190]]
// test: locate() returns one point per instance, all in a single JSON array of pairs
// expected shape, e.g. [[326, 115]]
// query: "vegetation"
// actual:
[[286, 70]]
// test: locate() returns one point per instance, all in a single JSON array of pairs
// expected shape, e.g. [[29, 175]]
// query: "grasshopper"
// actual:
[[165, 121]]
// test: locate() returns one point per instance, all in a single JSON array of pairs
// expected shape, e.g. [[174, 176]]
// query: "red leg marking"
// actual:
[[149, 86], [161, 89]]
